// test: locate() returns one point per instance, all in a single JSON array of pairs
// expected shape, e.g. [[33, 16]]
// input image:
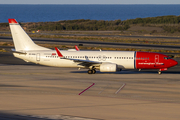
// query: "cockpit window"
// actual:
[[166, 58]]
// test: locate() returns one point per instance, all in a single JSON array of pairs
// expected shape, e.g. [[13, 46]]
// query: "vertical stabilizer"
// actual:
[[22, 41]]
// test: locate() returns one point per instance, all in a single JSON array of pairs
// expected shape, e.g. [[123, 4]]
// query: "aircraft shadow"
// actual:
[[130, 72], [8, 116]]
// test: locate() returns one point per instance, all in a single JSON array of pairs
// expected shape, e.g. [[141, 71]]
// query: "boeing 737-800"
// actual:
[[105, 61]]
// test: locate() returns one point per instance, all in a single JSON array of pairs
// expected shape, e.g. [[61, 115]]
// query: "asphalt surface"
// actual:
[[97, 43], [33, 92]]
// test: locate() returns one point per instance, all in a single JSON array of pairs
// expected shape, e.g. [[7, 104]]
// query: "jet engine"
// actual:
[[108, 67]]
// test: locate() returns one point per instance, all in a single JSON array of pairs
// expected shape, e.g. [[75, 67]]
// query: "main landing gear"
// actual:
[[93, 71]]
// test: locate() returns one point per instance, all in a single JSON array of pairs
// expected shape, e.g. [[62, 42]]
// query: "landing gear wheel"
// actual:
[[90, 71], [159, 72], [93, 71]]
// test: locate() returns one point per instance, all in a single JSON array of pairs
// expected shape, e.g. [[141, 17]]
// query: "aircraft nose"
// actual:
[[173, 62]]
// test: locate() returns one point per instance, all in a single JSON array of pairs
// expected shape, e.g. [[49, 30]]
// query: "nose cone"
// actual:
[[173, 63]]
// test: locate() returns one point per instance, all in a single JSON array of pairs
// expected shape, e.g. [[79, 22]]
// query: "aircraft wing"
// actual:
[[80, 61], [86, 62]]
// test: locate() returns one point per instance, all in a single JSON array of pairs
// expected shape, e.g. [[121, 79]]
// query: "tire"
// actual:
[[93, 71], [90, 71]]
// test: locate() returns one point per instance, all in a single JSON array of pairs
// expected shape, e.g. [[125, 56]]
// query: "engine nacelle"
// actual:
[[108, 67]]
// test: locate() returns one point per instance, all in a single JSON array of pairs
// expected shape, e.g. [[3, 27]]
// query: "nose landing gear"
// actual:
[[162, 69]]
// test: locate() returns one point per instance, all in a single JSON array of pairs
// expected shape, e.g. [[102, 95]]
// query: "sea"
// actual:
[[45, 13]]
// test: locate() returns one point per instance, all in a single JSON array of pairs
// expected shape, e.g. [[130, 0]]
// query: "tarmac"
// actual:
[[34, 92]]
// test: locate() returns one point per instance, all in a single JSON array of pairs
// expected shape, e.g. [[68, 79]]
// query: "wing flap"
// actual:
[[86, 62]]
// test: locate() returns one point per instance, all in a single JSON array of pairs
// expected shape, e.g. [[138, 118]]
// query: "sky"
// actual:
[[89, 1]]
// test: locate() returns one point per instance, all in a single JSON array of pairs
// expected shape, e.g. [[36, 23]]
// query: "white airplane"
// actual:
[[105, 61]]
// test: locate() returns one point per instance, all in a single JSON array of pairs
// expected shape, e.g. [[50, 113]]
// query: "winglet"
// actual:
[[58, 52], [12, 21], [77, 48]]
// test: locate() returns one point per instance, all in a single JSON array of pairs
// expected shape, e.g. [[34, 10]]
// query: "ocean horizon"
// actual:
[[52, 12]]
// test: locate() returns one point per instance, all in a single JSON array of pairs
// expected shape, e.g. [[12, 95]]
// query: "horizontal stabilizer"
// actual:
[[19, 52]]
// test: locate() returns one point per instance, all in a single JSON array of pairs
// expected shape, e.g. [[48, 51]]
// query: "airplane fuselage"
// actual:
[[123, 59]]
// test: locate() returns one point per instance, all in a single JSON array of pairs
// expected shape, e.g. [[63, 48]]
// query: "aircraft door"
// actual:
[[38, 57], [156, 58]]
